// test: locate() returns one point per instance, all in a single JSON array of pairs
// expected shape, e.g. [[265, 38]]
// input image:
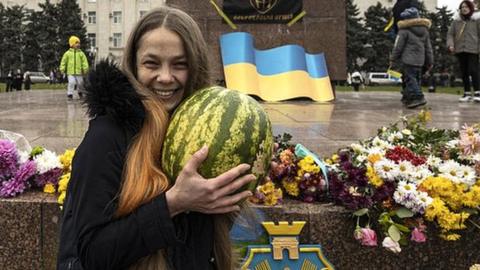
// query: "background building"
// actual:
[[108, 22]]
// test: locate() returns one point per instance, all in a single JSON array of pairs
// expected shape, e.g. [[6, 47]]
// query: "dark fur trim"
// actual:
[[108, 92]]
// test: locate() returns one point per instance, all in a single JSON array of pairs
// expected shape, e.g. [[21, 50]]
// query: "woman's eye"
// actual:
[[181, 65], [150, 64]]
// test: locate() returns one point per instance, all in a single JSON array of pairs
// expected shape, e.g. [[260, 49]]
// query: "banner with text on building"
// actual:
[[262, 11]]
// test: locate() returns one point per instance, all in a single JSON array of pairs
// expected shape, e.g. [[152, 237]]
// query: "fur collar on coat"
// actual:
[[414, 22], [109, 92]]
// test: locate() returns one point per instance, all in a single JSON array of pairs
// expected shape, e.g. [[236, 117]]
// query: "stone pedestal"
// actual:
[[322, 29], [29, 227]]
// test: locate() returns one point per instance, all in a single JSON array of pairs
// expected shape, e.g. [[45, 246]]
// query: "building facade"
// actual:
[[108, 22]]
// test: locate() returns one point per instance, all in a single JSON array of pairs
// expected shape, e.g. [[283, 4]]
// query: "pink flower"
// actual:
[[418, 236], [366, 236], [391, 245]]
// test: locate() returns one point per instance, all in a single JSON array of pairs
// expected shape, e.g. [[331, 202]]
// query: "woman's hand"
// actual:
[[192, 192], [451, 49]]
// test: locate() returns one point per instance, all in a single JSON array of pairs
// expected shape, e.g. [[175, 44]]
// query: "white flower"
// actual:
[[23, 156], [391, 245], [407, 132], [357, 148], [386, 169], [434, 161], [361, 158], [46, 161], [376, 151], [406, 188], [452, 144], [467, 175], [452, 170], [423, 199], [377, 142], [476, 157], [404, 169], [420, 173], [395, 136]]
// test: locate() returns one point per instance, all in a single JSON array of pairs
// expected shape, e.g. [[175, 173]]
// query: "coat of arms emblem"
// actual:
[[263, 6]]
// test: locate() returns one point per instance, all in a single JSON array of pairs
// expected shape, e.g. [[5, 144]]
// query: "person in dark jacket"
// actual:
[[463, 40], [399, 7], [121, 212], [411, 51], [18, 80]]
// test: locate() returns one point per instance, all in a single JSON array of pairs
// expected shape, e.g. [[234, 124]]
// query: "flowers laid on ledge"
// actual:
[[20, 171], [394, 183]]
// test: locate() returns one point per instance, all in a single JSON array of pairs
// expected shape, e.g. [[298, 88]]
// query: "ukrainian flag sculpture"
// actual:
[[276, 74]]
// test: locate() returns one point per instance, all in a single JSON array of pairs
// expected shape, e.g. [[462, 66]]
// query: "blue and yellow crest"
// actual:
[[284, 251]]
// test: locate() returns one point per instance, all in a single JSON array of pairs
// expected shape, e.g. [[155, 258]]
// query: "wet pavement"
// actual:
[[48, 119]]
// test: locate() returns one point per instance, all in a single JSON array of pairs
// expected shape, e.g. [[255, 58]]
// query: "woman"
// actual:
[[463, 40], [120, 211]]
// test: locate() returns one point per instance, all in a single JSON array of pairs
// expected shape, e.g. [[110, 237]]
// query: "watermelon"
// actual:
[[233, 125]]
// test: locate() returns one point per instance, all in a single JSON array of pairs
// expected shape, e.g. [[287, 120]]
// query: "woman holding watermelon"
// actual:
[[120, 211]]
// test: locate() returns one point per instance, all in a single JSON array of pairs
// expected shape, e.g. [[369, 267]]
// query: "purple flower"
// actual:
[[8, 158], [52, 176], [18, 183]]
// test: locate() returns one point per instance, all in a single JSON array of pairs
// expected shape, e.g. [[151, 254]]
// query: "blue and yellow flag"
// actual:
[[276, 74]]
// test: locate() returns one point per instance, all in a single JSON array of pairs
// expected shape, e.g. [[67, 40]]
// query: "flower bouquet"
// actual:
[[21, 170], [294, 173], [404, 178]]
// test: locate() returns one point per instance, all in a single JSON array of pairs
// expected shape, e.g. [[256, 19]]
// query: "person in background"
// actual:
[[121, 211], [9, 81], [27, 81], [17, 80], [463, 41], [74, 63], [357, 80], [411, 51]]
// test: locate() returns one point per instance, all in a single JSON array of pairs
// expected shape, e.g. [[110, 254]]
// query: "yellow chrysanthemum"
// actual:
[[307, 165], [372, 158], [66, 159], [63, 183], [472, 197], [450, 236], [49, 188], [373, 178], [61, 197], [291, 187]]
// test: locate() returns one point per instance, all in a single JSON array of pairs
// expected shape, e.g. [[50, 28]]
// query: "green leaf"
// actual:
[[404, 213], [470, 211], [394, 233], [402, 227], [360, 212]]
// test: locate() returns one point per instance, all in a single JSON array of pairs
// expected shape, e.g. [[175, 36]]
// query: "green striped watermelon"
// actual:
[[233, 125]]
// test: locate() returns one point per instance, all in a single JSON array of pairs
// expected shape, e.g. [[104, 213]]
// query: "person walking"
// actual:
[[357, 80], [17, 80], [9, 81], [74, 63], [463, 40], [411, 51], [27, 82]]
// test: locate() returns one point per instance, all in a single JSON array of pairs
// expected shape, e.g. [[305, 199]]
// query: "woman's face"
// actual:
[[162, 65], [464, 9]]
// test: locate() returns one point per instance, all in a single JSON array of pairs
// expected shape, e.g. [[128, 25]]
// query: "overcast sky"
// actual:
[[451, 4]]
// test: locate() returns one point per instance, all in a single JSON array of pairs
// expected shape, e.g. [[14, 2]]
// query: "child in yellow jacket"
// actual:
[[74, 63]]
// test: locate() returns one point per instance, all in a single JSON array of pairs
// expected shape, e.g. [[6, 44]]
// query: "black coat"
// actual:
[[91, 238]]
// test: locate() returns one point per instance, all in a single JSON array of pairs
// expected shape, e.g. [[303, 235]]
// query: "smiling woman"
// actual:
[[121, 210], [162, 65]]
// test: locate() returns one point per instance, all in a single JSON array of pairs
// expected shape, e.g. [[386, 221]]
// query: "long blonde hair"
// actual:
[[143, 178]]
